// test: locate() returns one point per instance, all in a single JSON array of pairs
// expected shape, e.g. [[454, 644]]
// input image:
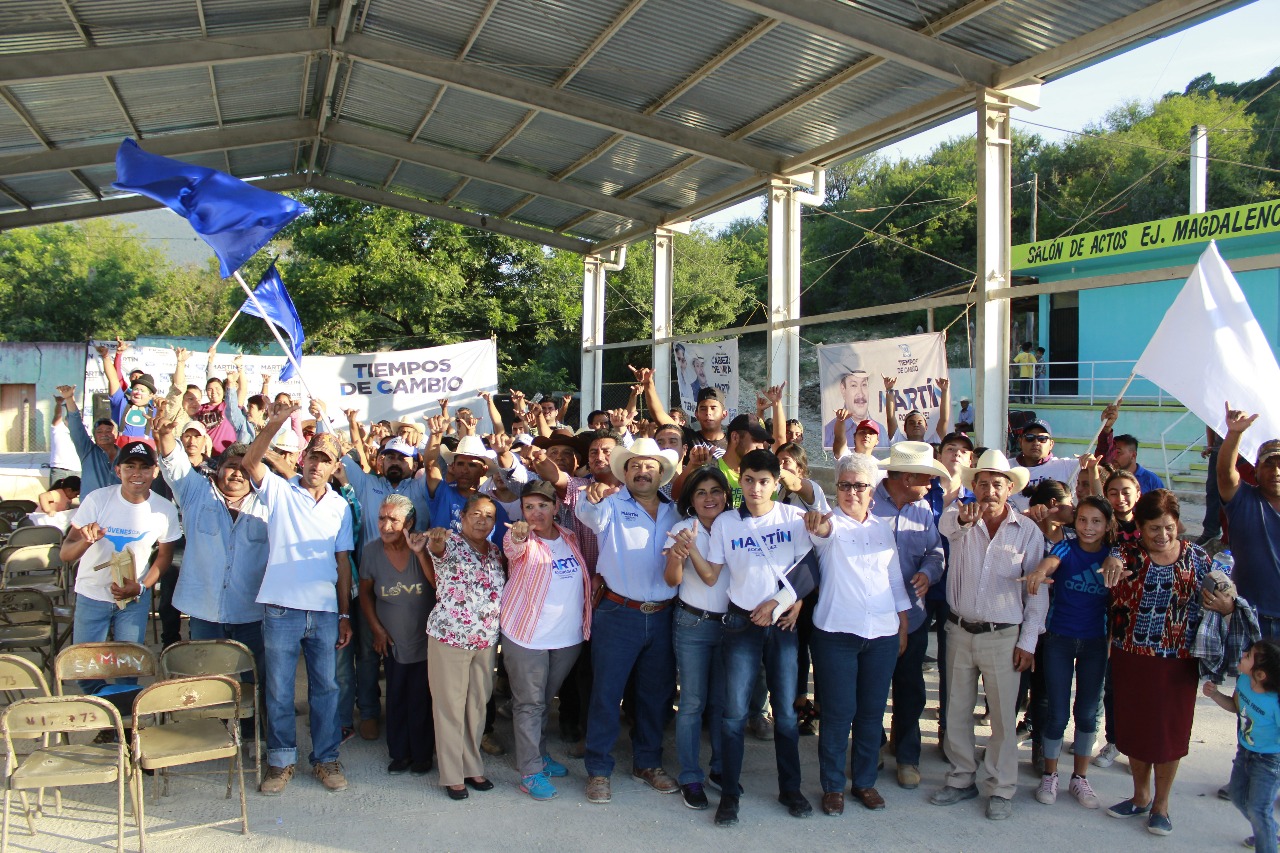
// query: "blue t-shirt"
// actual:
[[1078, 607], [1255, 544], [446, 511], [1258, 720]]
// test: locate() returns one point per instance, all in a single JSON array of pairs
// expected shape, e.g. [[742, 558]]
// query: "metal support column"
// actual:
[[784, 291], [663, 272], [593, 281], [991, 374]]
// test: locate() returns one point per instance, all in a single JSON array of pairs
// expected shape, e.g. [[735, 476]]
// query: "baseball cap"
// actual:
[[396, 444], [868, 424], [195, 425], [136, 450], [543, 488], [957, 438], [1267, 450], [326, 443], [711, 393], [286, 440], [1038, 423], [145, 380], [749, 424]]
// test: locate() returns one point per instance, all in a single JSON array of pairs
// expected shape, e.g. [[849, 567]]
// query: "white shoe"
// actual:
[[1047, 793], [1083, 792], [1106, 756]]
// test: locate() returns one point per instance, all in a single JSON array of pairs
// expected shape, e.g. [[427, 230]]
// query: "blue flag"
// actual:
[[280, 312], [234, 218]]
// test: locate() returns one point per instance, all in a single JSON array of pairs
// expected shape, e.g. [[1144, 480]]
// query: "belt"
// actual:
[[699, 612], [642, 606], [979, 627]]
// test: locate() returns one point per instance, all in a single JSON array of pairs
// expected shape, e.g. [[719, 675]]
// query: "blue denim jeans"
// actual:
[[855, 674], [744, 646], [357, 673], [95, 621], [1255, 782], [625, 641], [284, 632], [938, 611], [700, 668], [909, 697], [248, 633], [1084, 661]]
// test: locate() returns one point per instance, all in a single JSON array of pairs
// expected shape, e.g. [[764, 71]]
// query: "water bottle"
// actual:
[[1224, 562]]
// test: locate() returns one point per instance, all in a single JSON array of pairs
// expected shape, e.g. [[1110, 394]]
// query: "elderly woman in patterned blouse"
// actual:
[[462, 638]]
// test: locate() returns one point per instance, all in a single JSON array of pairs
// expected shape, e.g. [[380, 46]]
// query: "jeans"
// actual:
[[938, 611], [1255, 782], [909, 697], [700, 668], [1065, 659], [744, 645], [1212, 502], [95, 620], [1032, 698], [357, 673], [855, 673], [624, 641], [284, 632], [1270, 627], [170, 616]]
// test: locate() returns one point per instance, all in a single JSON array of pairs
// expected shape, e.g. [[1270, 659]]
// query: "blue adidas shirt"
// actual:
[[1078, 608]]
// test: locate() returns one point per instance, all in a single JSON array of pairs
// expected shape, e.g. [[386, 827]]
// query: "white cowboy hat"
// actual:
[[644, 448], [470, 445], [994, 460], [915, 457]]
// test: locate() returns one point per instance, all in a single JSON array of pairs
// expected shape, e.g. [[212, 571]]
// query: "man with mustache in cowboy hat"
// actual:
[[993, 628]]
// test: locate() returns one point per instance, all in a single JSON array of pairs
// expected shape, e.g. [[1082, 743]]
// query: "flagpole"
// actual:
[[288, 351], [227, 329], [1089, 448]]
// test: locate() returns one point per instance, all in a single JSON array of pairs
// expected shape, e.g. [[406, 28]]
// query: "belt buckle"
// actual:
[[650, 607]]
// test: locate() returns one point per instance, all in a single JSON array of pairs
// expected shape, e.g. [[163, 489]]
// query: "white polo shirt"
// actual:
[[757, 552], [862, 590], [305, 536]]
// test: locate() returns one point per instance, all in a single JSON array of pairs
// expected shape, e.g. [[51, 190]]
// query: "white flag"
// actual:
[[1209, 349]]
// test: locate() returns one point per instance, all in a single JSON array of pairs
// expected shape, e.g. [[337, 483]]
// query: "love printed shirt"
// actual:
[[402, 600]]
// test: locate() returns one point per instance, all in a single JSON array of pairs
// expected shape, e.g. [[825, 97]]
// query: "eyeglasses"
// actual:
[[1038, 437], [858, 488]]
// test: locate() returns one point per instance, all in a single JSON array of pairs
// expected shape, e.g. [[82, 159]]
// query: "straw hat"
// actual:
[[644, 448], [915, 457], [994, 460], [469, 445]]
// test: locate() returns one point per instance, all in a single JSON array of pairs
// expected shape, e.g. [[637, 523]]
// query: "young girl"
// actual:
[[1074, 644], [1122, 492], [1255, 773]]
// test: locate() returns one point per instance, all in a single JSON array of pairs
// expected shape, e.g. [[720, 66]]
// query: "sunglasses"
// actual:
[[858, 488], [1038, 438]]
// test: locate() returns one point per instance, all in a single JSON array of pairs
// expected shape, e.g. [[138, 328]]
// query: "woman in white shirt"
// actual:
[[860, 628], [698, 630]]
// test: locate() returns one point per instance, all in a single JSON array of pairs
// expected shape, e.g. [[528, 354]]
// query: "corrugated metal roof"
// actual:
[[633, 53]]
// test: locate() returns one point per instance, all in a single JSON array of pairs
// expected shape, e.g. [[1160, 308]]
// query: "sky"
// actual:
[[1239, 45]]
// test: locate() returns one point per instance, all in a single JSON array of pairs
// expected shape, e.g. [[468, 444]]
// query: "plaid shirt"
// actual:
[[1220, 641]]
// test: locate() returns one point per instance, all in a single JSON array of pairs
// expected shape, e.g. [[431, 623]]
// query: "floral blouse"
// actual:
[[1157, 610], [468, 596]]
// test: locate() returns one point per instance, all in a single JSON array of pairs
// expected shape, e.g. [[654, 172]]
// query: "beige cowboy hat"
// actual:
[[470, 445], [644, 448], [915, 457], [994, 460]]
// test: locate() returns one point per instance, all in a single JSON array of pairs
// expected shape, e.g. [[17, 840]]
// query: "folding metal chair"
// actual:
[[26, 622], [33, 567], [39, 534], [219, 657]]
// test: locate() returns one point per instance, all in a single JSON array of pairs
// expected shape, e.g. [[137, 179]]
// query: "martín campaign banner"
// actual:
[[701, 366], [400, 385], [853, 376]]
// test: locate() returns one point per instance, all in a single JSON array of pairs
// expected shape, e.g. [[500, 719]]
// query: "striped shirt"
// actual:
[[983, 577], [528, 578]]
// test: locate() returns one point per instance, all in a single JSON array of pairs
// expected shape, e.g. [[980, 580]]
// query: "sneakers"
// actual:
[[1106, 756], [598, 789], [727, 811], [277, 779], [694, 797], [760, 728], [400, 765], [950, 795], [1126, 809], [538, 786], [1083, 792], [369, 729], [348, 733], [714, 782], [1159, 824], [1047, 793], [999, 808], [551, 767], [1252, 842], [330, 775], [657, 779]]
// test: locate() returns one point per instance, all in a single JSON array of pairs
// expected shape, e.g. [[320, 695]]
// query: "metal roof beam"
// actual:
[[515, 90], [41, 66], [169, 145], [110, 207], [359, 192], [341, 133], [848, 25]]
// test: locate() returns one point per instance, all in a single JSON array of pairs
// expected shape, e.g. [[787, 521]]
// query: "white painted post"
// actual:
[[784, 292], [1199, 167], [991, 388], [663, 273], [593, 282]]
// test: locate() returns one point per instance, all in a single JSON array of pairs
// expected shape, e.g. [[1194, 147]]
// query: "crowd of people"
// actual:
[[692, 573]]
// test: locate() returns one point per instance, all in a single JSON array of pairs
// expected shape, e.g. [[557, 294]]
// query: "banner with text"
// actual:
[[399, 385], [701, 366], [853, 377]]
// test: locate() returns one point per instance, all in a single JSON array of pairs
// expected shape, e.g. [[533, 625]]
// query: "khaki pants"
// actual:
[[461, 680], [990, 656]]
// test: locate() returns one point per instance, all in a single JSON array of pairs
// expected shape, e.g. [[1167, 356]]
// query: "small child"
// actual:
[[1255, 773]]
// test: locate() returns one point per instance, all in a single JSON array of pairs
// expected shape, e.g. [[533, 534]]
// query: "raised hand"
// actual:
[[774, 393], [352, 415], [121, 344], [67, 392], [1110, 413], [889, 382], [519, 531], [444, 405], [843, 415], [316, 408], [1237, 420], [487, 396], [182, 354], [467, 424], [682, 544], [597, 492], [818, 522], [790, 481], [1113, 572], [643, 375], [416, 541], [436, 537], [619, 418], [101, 350], [438, 425], [943, 384], [970, 513]]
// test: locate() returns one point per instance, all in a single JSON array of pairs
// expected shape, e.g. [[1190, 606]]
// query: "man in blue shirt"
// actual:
[[900, 497], [97, 456], [631, 627], [1124, 457], [1253, 521]]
